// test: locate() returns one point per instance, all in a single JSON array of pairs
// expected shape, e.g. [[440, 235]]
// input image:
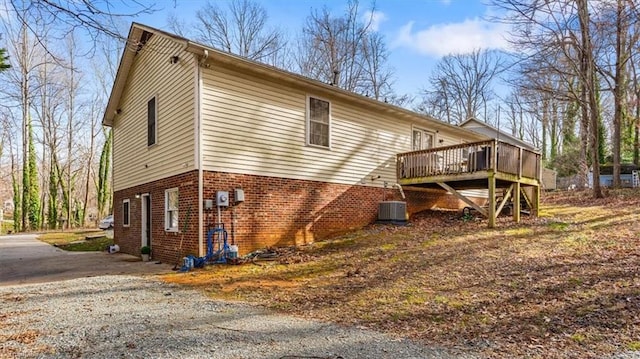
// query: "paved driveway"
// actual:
[[24, 259]]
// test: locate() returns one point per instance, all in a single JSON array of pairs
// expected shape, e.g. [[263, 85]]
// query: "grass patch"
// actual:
[[94, 245], [578, 338], [558, 226], [6, 227], [635, 346], [74, 241], [388, 246]]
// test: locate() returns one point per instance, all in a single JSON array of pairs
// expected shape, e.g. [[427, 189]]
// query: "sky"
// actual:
[[418, 32]]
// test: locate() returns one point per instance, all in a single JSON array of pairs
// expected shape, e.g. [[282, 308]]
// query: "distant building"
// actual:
[[628, 176]]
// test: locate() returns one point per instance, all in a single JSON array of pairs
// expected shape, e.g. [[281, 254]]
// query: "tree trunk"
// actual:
[[24, 91], [619, 90], [71, 109], [588, 76], [89, 166], [545, 127], [553, 137], [104, 188]]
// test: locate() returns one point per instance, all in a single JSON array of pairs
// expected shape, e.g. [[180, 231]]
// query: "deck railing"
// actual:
[[469, 158]]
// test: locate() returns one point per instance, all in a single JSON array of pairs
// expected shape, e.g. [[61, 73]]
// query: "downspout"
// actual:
[[400, 189], [198, 153]]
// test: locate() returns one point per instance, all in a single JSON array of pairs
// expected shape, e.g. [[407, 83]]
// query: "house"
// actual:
[[290, 160], [475, 125]]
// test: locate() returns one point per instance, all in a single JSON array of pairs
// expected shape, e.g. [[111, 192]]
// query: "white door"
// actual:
[[146, 220]]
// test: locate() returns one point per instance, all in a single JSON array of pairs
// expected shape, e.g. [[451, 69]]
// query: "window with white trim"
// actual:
[[318, 122], [152, 117], [171, 209], [422, 139], [126, 213]]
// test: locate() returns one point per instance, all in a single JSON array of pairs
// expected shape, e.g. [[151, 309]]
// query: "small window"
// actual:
[[125, 213], [171, 209], [151, 121], [318, 125], [422, 139]]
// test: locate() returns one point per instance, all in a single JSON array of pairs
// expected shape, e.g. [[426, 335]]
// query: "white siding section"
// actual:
[[255, 126], [152, 74]]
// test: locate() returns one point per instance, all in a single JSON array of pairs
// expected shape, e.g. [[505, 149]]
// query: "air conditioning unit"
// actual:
[[392, 211]]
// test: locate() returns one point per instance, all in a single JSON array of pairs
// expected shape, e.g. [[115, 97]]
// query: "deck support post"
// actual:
[[536, 201], [516, 202], [492, 199]]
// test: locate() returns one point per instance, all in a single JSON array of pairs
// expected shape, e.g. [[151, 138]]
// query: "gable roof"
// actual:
[[484, 128], [135, 43]]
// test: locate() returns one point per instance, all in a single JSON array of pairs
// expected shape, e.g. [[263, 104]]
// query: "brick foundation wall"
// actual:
[[276, 211], [165, 246], [280, 212]]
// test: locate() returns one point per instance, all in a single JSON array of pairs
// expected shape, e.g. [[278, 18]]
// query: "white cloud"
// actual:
[[463, 37], [376, 18]]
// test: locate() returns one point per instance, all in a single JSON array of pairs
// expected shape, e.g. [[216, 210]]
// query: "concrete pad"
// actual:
[[24, 259]]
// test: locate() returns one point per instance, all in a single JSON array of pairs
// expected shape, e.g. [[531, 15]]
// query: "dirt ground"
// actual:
[[564, 285]]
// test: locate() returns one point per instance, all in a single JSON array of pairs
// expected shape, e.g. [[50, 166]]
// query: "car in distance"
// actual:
[[106, 223]]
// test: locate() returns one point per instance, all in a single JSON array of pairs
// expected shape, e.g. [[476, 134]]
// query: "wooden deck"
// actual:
[[488, 165]]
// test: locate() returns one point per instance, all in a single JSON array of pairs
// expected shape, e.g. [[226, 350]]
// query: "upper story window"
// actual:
[[318, 122], [422, 139], [152, 115]]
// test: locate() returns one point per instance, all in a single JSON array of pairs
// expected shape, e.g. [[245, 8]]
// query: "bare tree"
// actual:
[[515, 114], [19, 94], [95, 18], [103, 179], [555, 37], [463, 83], [377, 76], [616, 33], [241, 29], [345, 51], [634, 65]]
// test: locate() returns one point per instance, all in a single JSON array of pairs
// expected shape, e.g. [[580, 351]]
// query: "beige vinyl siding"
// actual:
[[255, 126], [152, 74], [448, 140], [475, 193]]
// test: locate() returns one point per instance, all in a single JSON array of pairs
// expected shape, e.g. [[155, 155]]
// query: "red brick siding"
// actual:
[[276, 211], [279, 211], [165, 246]]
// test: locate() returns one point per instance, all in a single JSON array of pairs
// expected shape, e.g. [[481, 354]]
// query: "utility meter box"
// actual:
[[208, 204], [222, 198], [238, 195]]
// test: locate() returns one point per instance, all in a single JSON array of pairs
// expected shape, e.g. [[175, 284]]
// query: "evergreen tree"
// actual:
[[4, 60], [17, 213], [103, 174], [602, 136], [24, 206], [52, 214], [33, 200]]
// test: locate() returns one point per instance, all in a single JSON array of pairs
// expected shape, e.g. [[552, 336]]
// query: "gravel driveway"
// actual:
[[142, 317]]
